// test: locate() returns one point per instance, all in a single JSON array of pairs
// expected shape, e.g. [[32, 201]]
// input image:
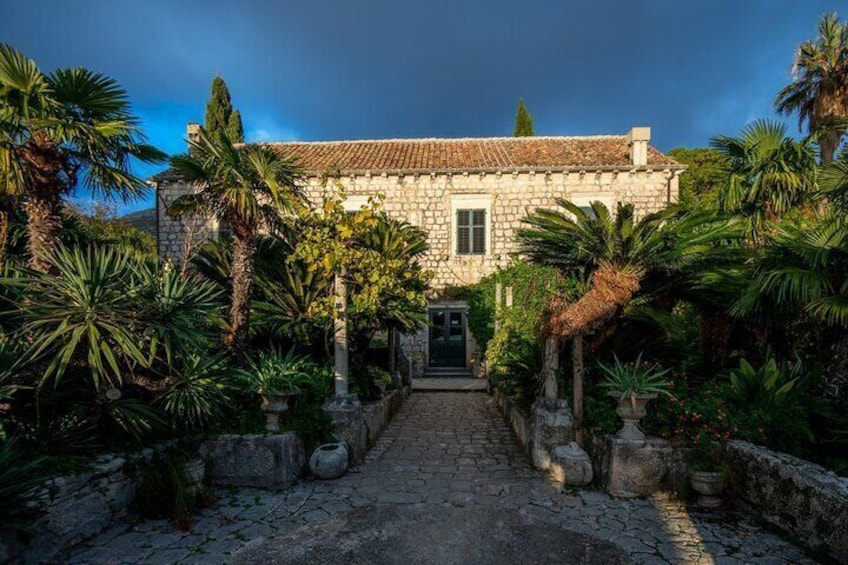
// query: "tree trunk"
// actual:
[[828, 144], [612, 289], [44, 224], [715, 336], [242, 279]]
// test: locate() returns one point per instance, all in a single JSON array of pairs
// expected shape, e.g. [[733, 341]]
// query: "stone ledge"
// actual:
[[518, 420], [799, 497], [378, 414]]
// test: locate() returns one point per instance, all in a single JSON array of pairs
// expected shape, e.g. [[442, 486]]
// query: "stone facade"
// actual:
[[430, 199]]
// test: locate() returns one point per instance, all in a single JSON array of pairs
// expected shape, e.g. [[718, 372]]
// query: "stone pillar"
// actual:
[[340, 338], [550, 426], [344, 408], [509, 297]]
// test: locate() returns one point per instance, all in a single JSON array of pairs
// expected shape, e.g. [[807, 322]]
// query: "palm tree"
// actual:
[[60, 130], [249, 187], [807, 269], [819, 90], [770, 173], [618, 252]]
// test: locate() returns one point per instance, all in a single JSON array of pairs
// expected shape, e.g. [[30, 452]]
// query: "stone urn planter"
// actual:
[[631, 410], [329, 461], [709, 486], [274, 404], [193, 472]]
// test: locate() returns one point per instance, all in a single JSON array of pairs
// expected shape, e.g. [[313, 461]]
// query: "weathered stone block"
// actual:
[[636, 467], [570, 465], [272, 461], [797, 496], [348, 425], [550, 426]]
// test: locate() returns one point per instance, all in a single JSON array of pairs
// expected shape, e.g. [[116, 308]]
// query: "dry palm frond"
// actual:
[[612, 289]]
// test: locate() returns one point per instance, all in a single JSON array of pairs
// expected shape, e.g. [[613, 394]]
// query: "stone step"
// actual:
[[447, 373]]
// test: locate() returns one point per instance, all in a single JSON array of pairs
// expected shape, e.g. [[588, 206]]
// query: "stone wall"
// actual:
[[75, 508], [427, 201], [378, 414], [179, 238], [799, 497]]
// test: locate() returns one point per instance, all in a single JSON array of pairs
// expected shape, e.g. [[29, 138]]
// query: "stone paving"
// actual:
[[448, 450]]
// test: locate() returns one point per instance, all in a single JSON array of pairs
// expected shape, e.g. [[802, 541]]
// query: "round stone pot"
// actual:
[[193, 471], [709, 486], [329, 461], [631, 411], [274, 404]]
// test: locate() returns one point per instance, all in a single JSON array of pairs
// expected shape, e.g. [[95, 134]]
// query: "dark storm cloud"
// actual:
[[332, 69]]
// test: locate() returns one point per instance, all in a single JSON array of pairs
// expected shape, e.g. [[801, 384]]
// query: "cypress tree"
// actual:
[[235, 131], [220, 114], [523, 121]]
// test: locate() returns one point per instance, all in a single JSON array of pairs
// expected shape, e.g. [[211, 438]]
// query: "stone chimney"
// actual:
[[192, 132], [638, 138]]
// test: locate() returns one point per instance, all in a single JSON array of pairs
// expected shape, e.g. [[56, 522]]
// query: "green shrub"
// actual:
[[514, 355], [20, 477]]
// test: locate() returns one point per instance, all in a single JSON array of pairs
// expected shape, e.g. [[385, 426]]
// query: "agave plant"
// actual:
[[276, 373], [177, 311], [85, 313], [634, 380]]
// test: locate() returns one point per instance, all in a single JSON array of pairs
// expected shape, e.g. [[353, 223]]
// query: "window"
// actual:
[[471, 232], [588, 211], [584, 202]]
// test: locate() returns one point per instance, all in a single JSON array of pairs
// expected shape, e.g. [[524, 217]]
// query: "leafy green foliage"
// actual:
[[523, 122], [101, 226], [705, 179], [513, 355]]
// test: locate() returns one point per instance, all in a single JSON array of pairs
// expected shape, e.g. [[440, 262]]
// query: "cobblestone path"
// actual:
[[448, 449]]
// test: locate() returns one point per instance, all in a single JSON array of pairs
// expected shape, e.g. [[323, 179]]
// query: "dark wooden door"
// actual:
[[447, 337]]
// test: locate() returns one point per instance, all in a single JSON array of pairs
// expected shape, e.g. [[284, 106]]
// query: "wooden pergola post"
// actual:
[[577, 366], [550, 366], [340, 345]]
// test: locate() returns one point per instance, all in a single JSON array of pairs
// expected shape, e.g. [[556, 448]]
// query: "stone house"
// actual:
[[470, 196]]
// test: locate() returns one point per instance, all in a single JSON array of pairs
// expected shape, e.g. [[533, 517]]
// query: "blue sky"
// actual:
[[341, 69]]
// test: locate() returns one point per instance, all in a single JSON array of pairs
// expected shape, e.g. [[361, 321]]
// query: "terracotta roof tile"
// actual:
[[467, 155]]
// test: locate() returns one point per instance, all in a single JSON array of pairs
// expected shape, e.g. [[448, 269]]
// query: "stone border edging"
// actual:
[[797, 496]]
